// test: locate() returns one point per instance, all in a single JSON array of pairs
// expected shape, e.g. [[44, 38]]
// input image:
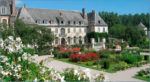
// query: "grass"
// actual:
[[142, 78], [83, 64]]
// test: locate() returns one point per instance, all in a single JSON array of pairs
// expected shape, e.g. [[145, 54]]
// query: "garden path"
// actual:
[[125, 75]]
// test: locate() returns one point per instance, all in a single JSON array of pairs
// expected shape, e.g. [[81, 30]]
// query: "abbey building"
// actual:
[[69, 27]]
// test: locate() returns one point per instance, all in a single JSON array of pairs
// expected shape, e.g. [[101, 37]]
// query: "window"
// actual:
[[99, 30], [62, 31], [44, 21], [68, 30], [5, 21], [62, 22], [74, 39], [85, 39], [38, 21], [103, 29], [50, 22], [68, 40], [74, 30], [80, 23], [56, 40], [80, 30], [85, 30], [56, 30], [3, 10], [80, 40], [99, 21], [74, 22], [69, 22]]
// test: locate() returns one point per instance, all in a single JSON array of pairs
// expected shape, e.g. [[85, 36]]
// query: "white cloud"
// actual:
[[18, 2]]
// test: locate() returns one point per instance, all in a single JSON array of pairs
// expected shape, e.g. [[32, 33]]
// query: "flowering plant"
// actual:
[[83, 57]]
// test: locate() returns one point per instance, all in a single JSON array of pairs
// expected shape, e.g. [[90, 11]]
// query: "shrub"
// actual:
[[123, 65], [106, 64], [83, 57], [130, 59], [89, 63]]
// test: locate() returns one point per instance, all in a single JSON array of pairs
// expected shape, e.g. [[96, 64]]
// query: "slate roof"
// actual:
[[141, 25], [95, 19]]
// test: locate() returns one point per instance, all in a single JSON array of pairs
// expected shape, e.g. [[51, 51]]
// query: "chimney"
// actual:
[[83, 13], [13, 8], [60, 14], [24, 5], [93, 11]]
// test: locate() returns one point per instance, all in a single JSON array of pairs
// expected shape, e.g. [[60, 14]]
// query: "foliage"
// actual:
[[123, 65], [35, 35], [112, 19], [132, 34], [106, 63]]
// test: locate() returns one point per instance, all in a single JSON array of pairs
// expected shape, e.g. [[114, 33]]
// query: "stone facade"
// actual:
[[69, 27]]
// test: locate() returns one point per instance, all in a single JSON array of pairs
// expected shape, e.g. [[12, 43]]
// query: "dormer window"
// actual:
[[50, 22], [69, 22], [62, 22], [3, 10], [74, 22], [44, 21], [80, 22], [99, 21], [38, 21]]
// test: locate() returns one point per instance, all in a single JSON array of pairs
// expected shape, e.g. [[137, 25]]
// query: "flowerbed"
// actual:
[[15, 66], [83, 57]]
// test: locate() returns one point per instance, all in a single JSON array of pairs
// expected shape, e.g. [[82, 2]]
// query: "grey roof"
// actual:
[[7, 5], [95, 19], [141, 25], [59, 15]]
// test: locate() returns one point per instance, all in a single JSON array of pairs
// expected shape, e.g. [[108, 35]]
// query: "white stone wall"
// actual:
[[101, 29]]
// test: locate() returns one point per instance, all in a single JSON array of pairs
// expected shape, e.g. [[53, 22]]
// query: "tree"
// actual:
[[39, 35], [131, 34]]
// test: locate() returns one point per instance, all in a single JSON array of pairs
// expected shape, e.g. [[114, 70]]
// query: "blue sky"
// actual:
[[118, 6]]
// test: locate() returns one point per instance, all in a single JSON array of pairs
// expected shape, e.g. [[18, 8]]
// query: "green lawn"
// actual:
[[142, 78], [83, 64]]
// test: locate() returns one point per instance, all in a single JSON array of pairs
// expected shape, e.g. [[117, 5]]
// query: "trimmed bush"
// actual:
[[106, 64], [130, 59]]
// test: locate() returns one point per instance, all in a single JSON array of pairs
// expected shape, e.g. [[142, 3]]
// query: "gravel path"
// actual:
[[125, 75]]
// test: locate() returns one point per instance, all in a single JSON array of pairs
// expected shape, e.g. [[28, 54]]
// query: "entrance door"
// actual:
[[63, 41]]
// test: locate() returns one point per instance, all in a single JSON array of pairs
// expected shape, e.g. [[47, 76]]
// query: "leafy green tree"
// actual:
[[42, 36]]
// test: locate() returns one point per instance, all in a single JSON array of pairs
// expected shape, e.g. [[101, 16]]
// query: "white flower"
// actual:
[[75, 72], [62, 79], [11, 38], [18, 39], [35, 80]]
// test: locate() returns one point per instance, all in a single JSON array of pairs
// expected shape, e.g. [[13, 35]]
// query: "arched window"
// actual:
[[85, 39], [68, 40], [4, 21], [80, 39], [56, 40], [69, 22], [62, 31], [80, 23], [74, 39], [85, 30]]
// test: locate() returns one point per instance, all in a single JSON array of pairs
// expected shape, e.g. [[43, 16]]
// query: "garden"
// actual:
[[106, 60], [143, 75], [17, 64]]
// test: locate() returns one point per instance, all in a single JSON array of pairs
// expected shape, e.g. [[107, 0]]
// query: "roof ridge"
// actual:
[[57, 10]]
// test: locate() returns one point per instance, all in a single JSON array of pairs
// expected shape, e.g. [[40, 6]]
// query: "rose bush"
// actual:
[[83, 57]]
